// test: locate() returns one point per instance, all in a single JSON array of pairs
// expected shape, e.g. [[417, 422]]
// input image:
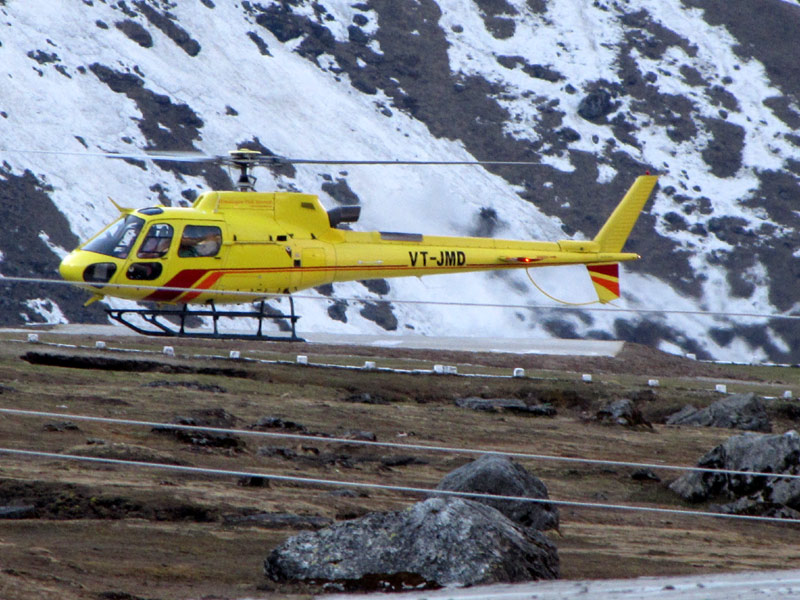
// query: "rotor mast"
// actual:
[[245, 160]]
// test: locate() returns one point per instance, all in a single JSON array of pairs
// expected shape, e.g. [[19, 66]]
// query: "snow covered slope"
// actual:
[[706, 93]]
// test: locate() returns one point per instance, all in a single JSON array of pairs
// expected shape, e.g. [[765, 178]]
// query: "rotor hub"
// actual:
[[244, 160]]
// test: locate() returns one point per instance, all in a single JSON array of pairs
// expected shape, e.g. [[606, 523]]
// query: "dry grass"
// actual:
[[153, 553]]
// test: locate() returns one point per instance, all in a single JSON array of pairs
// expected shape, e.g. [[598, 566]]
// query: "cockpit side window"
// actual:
[[157, 241], [118, 239], [200, 240]]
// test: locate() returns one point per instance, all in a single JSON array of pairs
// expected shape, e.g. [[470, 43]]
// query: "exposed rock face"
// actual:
[[645, 475], [215, 418], [595, 106], [752, 494], [513, 405], [754, 506], [499, 475], [740, 411], [433, 543]]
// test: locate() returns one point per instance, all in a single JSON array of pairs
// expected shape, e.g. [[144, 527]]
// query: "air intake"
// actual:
[[344, 214]]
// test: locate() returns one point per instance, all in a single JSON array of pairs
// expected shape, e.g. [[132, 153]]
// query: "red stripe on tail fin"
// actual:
[[606, 281]]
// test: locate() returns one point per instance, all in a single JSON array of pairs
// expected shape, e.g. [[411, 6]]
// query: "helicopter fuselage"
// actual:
[[255, 244]]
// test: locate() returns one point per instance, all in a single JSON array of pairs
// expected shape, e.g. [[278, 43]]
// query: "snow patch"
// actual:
[[46, 309]]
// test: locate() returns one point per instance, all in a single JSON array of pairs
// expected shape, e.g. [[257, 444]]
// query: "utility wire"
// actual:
[[379, 486], [236, 293], [392, 445]]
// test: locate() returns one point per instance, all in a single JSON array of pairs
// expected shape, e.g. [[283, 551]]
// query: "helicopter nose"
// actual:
[[71, 269], [78, 266]]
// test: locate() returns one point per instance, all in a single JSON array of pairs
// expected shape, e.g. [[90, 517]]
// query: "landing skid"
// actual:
[[177, 326]]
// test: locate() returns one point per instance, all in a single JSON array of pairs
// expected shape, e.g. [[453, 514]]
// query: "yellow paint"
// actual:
[[283, 242]]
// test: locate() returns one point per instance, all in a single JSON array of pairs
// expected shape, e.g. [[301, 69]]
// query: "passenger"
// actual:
[[208, 245]]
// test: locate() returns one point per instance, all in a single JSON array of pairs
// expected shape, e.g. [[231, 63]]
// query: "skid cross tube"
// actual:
[[163, 322]]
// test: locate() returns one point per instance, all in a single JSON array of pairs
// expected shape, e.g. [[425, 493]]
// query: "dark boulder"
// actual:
[[213, 418], [739, 411], [770, 454], [61, 426], [401, 461], [431, 544], [501, 476], [754, 506], [366, 398], [595, 105], [512, 405], [645, 475], [682, 416], [622, 412], [253, 481], [267, 423]]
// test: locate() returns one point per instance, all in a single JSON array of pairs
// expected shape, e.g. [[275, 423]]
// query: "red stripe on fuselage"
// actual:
[[185, 279], [209, 281], [188, 278]]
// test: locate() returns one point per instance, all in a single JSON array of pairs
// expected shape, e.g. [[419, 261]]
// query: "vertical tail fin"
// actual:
[[614, 233], [617, 228], [605, 279]]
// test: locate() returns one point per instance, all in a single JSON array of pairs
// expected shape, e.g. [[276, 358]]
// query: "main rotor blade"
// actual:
[[181, 156], [177, 156], [265, 160], [270, 160]]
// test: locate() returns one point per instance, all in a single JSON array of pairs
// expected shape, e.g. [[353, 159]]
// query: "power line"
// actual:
[[356, 299], [392, 445], [380, 486]]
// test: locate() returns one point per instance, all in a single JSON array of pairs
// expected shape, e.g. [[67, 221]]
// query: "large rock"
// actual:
[[501, 476], [747, 452], [622, 412], [739, 411], [216, 418], [512, 405], [595, 105], [756, 506], [433, 543]]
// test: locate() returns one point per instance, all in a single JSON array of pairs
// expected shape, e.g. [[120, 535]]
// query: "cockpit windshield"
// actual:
[[118, 239]]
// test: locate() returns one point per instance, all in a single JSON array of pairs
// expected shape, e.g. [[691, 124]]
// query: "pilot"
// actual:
[[163, 246], [155, 247]]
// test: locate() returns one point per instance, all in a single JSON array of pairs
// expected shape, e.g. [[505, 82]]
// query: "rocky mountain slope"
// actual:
[[705, 93]]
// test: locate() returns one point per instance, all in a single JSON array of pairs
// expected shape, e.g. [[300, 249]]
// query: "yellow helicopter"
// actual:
[[242, 246]]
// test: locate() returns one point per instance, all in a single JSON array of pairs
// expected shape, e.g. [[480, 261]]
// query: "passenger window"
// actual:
[[157, 241], [200, 240]]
